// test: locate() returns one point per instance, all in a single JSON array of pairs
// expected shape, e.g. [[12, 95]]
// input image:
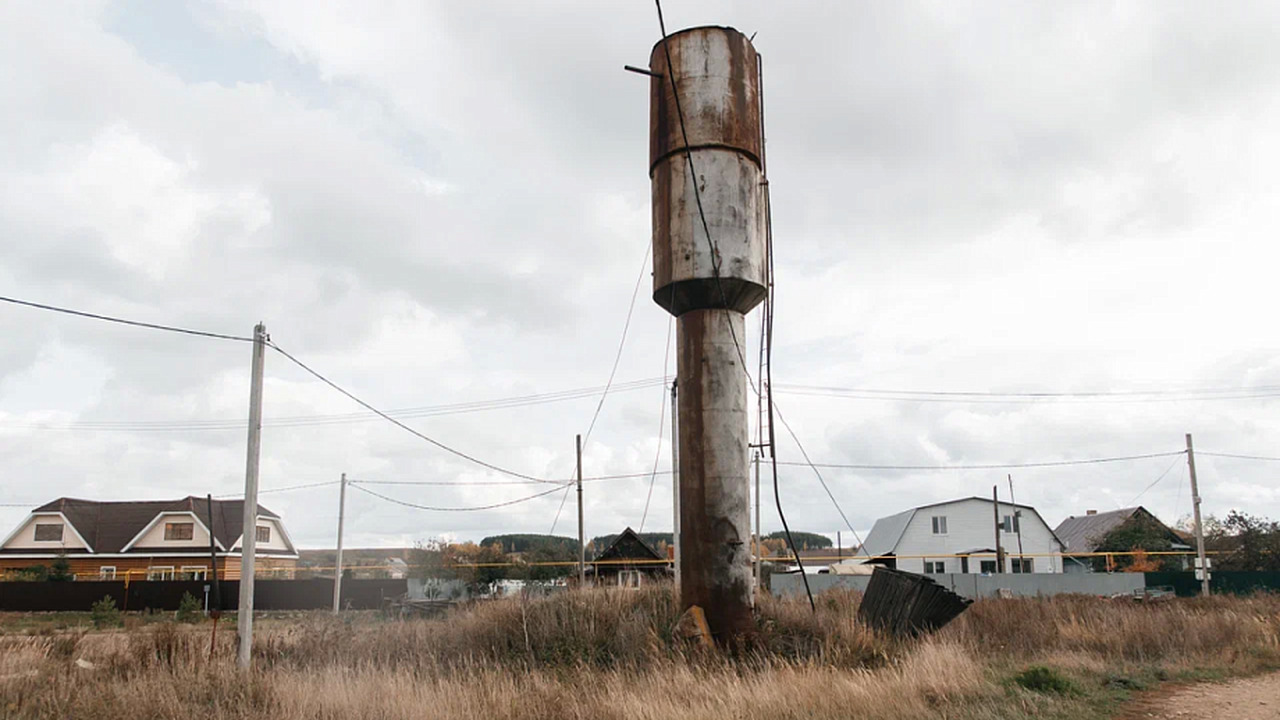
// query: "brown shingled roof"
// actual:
[[108, 526]]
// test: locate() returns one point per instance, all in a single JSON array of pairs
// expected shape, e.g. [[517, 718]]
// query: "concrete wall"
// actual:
[[980, 586]]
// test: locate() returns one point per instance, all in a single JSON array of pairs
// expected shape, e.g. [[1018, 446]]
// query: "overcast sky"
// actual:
[[443, 203]]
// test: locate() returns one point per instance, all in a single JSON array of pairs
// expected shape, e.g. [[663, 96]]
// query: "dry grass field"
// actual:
[[611, 654]]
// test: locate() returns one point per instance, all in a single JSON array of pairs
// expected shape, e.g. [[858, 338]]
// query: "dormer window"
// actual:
[[48, 532], [263, 534], [179, 531]]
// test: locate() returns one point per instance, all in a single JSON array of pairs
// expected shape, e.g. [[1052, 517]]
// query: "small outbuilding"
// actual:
[[627, 562]]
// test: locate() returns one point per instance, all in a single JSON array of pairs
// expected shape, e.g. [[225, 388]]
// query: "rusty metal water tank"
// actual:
[[716, 74]]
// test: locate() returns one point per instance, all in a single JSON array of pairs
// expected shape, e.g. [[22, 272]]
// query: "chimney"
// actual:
[[1090, 512]]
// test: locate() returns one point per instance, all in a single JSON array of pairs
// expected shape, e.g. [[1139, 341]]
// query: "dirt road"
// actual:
[[1252, 699]]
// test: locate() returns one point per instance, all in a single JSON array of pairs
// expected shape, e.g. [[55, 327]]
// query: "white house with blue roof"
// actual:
[[959, 536]]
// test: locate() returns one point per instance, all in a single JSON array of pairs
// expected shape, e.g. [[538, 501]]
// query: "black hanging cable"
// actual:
[[397, 423], [1136, 498], [662, 418], [1238, 457], [416, 506], [617, 358], [767, 389], [124, 321], [990, 466]]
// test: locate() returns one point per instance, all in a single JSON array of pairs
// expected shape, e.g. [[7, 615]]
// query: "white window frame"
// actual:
[[1024, 566], [939, 524], [161, 571], [107, 572], [62, 531], [197, 572], [630, 578], [990, 563], [935, 567]]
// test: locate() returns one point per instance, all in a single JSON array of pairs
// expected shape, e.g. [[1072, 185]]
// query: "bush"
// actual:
[[1041, 679], [189, 609], [60, 571], [104, 613]]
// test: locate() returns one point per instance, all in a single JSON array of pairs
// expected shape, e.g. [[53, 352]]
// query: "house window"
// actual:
[[263, 534], [939, 524], [179, 531], [987, 567], [935, 567], [160, 572], [1020, 566], [107, 572], [1010, 524], [48, 532], [629, 578], [194, 572]]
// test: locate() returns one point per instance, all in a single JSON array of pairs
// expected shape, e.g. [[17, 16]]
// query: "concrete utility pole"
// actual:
[[249, 537], [582, 547], [337, 564], [675, 479], [709, 260], [1195, 506], [995, 510]]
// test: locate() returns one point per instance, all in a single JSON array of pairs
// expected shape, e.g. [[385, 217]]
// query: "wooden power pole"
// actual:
[[1195, 506], [995, 510], [1017, 524], [249, 536]]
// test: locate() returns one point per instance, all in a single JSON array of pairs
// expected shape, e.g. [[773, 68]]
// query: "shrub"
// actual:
[[189, 609], [1041, 679], [60, 571], [104, 613]]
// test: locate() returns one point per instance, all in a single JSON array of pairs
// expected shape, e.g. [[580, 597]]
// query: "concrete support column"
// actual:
[[715, 511]]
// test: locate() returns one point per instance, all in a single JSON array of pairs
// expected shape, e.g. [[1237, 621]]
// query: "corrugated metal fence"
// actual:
[[314, 594]]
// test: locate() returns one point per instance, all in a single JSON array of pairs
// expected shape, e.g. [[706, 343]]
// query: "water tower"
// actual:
[[705, 128]]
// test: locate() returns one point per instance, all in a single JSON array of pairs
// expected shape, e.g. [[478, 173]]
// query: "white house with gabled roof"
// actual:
[[959, 536]]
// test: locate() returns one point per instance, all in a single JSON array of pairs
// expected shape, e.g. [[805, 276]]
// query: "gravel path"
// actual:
[[1252, 699]]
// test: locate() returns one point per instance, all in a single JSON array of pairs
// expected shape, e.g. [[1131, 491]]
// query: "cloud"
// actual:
[[445, 204]]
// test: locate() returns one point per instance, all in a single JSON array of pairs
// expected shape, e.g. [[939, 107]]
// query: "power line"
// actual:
[[416, 506], [410, 430], [662, 418], [617, 358], [499, 483], [990, 466], [821, 480], [1272, 389], [1239, 457], [1015, 398], [336, 419], [1155, 482], [124, 321], [284, 489]]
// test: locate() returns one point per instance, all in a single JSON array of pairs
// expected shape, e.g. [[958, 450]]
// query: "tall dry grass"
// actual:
[[612, 654]]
